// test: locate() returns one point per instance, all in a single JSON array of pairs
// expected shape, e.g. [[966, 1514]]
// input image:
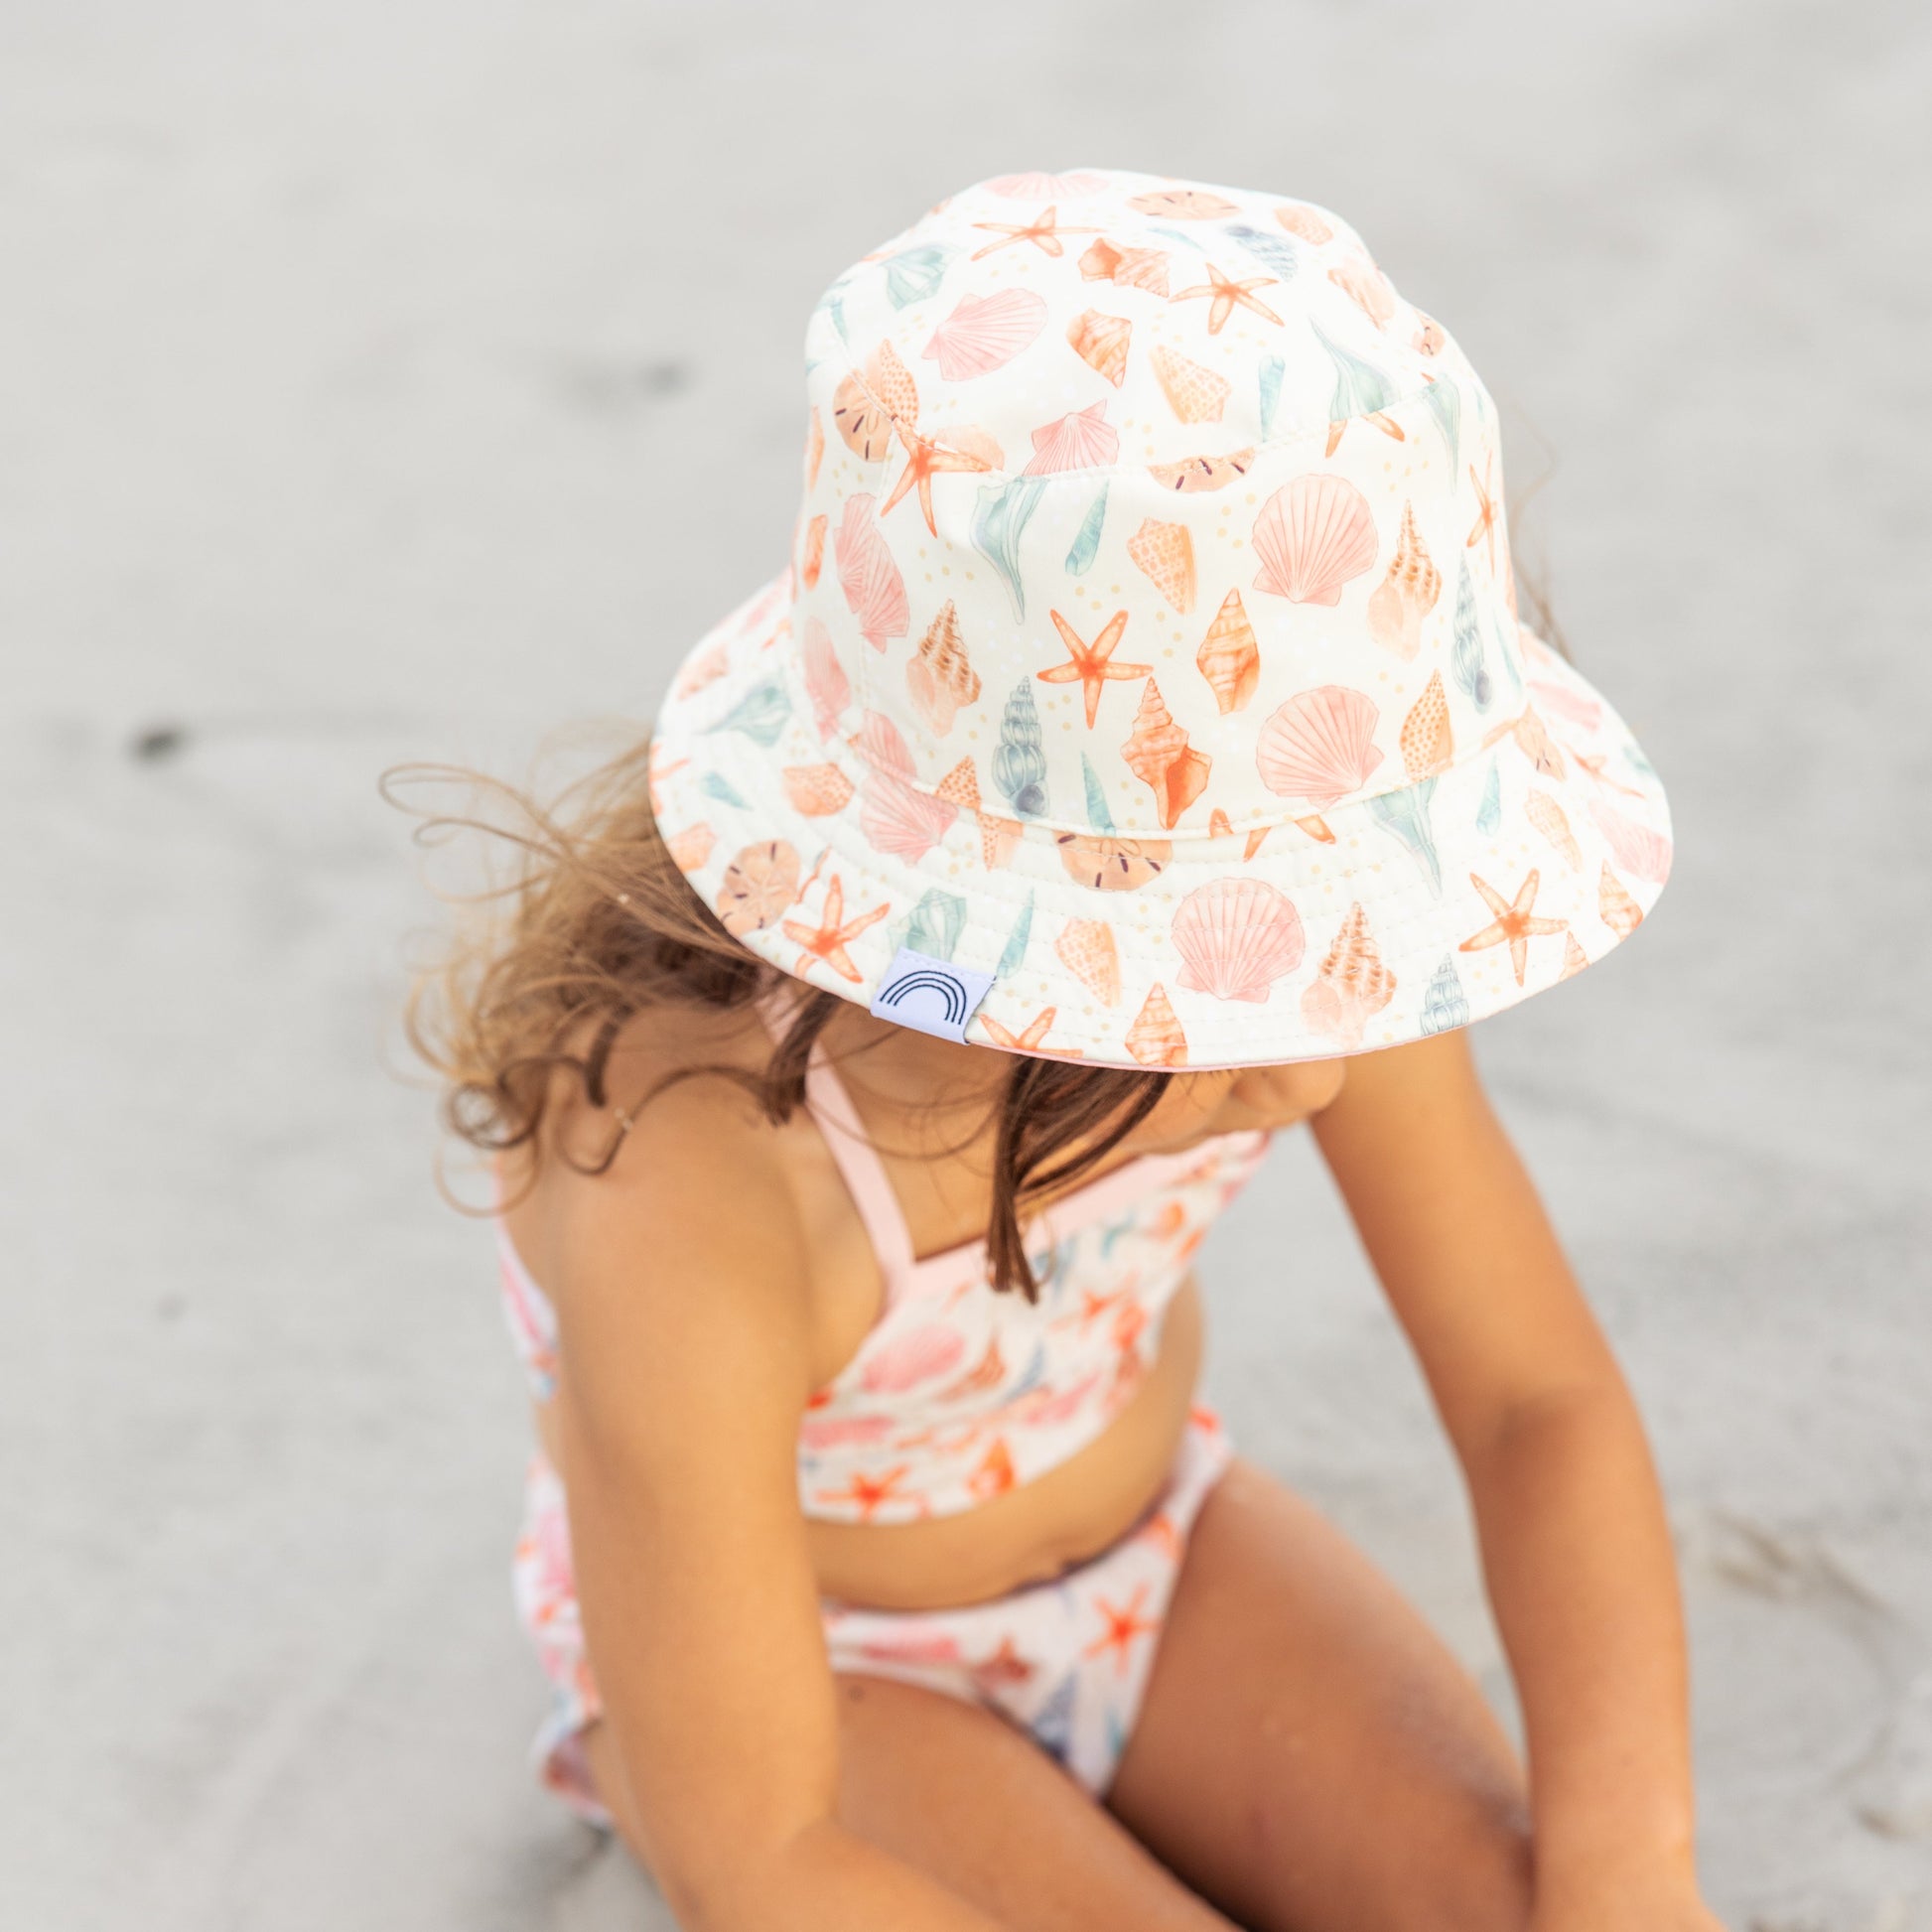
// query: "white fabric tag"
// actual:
[[932, 996]]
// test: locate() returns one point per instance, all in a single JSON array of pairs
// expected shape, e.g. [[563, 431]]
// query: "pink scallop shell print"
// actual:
[[1320, 746], [1639, 851], [825, 680], [920, 1355], [896, 817], [1236, 937], [1046, 188], [869, 576], [1312, 536], [985, 332], [1572, 707], [1082, 440], [937, 1647], [844, 1431]]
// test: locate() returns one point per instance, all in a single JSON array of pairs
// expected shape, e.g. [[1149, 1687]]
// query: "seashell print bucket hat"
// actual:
[[1146, 683]]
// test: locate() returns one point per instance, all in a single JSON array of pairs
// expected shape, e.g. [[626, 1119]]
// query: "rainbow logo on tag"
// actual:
[[931, 995]]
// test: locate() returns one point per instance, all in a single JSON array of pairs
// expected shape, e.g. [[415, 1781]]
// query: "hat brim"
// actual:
[[1473, 894]]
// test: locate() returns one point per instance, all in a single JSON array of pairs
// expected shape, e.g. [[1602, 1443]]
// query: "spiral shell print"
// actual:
[[1350, 987], [1156, 1037], [1444, 1006], [1547, 816], [1019, 763], [1407, 593], [1158, 753], [1229, 657], [1618, 911], [939, 676]]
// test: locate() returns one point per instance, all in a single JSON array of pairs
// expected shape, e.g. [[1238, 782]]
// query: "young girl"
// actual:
[[1140, 756]]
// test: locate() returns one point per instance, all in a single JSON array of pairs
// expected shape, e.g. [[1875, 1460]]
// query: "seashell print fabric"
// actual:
[[1152, 545], [1067, 1661], [956, 1394]]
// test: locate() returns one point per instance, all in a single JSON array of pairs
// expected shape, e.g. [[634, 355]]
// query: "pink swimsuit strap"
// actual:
[[858, 1161]]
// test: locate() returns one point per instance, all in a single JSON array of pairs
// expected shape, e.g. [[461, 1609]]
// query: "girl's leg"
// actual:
[[963, 1796], [1309, 1754]]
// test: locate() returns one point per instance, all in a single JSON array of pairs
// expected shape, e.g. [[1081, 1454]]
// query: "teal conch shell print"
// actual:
[[1149, 641]]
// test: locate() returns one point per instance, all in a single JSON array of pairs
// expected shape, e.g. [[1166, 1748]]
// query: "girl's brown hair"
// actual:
[[597, 924]]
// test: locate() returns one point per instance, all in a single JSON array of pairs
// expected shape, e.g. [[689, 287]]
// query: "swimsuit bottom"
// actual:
[[1067, 1661]]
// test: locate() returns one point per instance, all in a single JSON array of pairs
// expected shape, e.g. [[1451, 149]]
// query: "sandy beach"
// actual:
[[383, 382]]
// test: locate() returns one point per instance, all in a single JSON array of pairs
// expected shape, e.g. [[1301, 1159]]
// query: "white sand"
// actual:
[[402, 379]]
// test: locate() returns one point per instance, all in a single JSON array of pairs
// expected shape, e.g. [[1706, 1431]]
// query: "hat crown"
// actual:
[[1145, 509]]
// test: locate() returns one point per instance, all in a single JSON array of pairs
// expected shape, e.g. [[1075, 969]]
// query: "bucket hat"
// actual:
[[1146, 682]]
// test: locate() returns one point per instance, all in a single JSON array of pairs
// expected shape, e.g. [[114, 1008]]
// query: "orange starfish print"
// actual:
[[1485, 524], [1382, 420], [994, 1477], [833, 933], [1160, 1531], [1043, 231], [868, 1492], [1123, 1626], [1005, 1666], [1088, 664], [1597, 763], [1227, 293], [1028, 1038], [1093, 1307], [925, 458], [1513, 924]]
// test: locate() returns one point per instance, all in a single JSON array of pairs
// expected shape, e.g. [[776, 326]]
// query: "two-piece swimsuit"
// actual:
[[957, 1394]]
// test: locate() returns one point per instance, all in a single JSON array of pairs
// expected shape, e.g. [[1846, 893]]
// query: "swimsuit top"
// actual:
[[959, 1392]]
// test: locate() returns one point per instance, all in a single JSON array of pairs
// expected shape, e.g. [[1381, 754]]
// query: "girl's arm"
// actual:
[[1575, 1544], [687, 1364]]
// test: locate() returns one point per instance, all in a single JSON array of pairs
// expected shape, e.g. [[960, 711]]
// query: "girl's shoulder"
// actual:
[[674, 1160]]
